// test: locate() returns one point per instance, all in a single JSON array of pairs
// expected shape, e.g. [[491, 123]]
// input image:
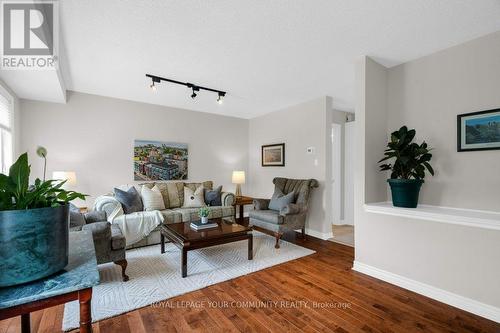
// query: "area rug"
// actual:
[[155, 277]]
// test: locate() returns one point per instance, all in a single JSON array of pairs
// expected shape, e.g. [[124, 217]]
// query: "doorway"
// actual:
[[343, 136]]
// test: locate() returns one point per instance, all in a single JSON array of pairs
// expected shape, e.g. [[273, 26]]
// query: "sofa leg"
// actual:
[[123, 265], [278, 236], [304, 233]]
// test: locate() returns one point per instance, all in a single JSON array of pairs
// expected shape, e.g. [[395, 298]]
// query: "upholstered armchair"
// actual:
[[109, 241], [292, 216]]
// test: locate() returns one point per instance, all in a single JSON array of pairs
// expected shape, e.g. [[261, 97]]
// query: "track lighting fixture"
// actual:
[[194, 94], [220, 98], [195, 88], [152, 85]]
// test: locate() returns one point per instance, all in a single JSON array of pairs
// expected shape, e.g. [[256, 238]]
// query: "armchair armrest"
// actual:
[[95, 216], [292, 209], [261, 204], [227, 198], [100, 230]]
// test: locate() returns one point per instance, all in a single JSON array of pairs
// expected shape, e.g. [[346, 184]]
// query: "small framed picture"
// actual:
[[273, 155], [478, 130]]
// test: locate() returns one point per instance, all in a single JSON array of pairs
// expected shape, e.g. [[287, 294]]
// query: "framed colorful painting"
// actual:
[[155, 160]]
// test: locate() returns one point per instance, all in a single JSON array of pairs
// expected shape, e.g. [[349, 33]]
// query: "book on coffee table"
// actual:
[[197, 225]]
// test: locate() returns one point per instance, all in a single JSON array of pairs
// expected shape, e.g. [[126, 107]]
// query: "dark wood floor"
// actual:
[[323, 295]]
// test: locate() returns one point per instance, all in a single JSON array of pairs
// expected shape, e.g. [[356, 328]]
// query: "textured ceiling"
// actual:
[[265, 54]]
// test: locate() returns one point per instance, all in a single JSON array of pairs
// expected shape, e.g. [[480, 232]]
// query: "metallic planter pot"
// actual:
[[33, 244]]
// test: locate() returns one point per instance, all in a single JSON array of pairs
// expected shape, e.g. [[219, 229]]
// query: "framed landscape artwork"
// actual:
[[478, 130], [273, 155], [154, 160]]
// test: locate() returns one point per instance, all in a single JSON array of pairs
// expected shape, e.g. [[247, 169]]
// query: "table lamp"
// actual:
[[68, 176], [238, 179]]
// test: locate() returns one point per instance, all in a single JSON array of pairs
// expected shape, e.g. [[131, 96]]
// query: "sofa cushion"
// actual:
[[130, 200], [175, 194], [207, 185], [193, 199], [270, 216], [280, 200], [171, 216], [117, 239], [152, 198], [213, 197], [188, 214]]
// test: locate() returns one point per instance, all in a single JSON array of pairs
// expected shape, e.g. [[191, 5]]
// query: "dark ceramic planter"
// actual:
[[405, 192], [33, 244]]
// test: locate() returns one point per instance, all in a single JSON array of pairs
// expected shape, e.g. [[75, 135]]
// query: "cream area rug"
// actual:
[[155, 276]]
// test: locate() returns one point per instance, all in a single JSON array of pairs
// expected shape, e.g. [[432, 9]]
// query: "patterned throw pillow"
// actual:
[[193, 199], [280, 200], [213, 198], [152, 198], [130, 200]]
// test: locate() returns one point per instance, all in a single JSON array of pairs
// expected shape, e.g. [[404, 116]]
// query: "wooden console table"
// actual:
[[75, 282], [241, 202]]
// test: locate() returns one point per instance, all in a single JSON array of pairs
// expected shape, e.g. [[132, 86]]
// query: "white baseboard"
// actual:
[[320, 235], [461, 302]]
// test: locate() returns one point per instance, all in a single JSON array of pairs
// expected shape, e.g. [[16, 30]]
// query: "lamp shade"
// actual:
[[68, 176], [238, 177]]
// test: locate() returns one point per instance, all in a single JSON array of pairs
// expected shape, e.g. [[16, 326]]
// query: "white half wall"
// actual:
[[94, 136], [299, 127], [433, 258]]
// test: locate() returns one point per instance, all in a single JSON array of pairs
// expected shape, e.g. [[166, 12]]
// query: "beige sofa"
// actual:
[[173, 197]]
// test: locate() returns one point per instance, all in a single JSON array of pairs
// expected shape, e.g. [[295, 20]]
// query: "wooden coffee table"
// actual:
[[187, 239]]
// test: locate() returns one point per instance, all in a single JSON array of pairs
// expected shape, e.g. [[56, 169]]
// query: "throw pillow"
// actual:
[[213, 197], [152, 198], [193, 199], [280, 200], [130, 200]]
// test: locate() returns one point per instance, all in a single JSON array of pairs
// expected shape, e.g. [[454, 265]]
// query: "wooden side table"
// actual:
[[241, 202]]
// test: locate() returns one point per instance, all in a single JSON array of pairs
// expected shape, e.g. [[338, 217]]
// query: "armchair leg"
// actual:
[[304, 233], [278, 236], [123, 264]]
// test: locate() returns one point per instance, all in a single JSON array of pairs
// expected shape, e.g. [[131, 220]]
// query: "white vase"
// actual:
[[204, 219]]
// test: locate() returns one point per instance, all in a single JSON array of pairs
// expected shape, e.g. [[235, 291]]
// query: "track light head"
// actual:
[[220, 98], [195, 89], [153, 83]]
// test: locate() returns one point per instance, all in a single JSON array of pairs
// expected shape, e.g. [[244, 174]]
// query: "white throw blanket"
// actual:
[[134, 226]]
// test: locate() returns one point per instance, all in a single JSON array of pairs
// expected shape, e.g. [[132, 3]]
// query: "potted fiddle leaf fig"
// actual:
[[34, 224], [408, 168]]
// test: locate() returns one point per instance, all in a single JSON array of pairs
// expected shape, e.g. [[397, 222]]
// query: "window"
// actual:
[[6, 121]]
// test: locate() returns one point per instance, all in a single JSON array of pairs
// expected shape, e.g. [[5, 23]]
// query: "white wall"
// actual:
[[428, 94], [453, 263], [94, 136], [348, 193], [300, 126]]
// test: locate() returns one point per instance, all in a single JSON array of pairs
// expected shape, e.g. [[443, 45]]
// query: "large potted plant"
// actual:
[[34, 223], [409, 167]]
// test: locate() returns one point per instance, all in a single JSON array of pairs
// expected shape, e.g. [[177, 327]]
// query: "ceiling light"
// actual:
[[220, 99], [194, 87], [153, 85]]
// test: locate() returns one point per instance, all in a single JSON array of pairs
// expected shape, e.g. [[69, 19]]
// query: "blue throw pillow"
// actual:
[[130, 200], [280, 200], [213, 197]]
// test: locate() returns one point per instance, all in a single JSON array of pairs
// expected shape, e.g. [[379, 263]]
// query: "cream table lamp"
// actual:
[[238, 179]]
